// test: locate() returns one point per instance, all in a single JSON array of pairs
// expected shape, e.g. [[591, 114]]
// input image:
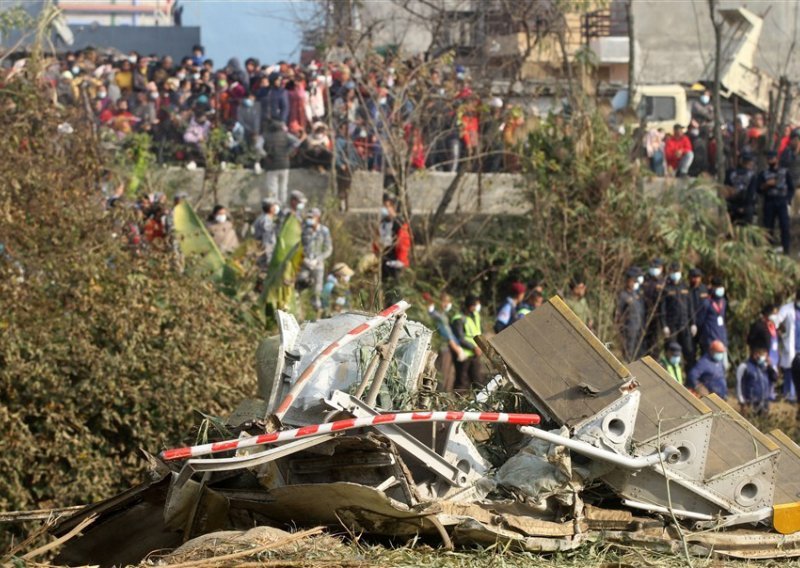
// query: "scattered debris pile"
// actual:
[[343, 433]]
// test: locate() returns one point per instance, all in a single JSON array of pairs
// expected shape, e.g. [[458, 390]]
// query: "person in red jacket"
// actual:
[[678, 150]]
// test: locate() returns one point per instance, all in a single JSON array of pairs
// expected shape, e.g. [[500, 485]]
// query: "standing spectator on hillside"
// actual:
[[708, 375], [654, 147], [317, 248], [675, 311], [763, 334], [577, 301], [671, 361], [678, 150], [711, 318], [395, 243], [652, 293], [275, 102], [742, 199], [248, 114], [222, 230], [265, 231], [698, 292], [703, 109], [755, 395], [451, 351], [777, 186], [278, 147], [507, 314], [630, 315], [466, 327], [790, 156], [336, 291], [785, 320]]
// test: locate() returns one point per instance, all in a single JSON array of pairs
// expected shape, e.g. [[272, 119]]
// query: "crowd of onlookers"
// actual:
[[273, 117], [681, 322]]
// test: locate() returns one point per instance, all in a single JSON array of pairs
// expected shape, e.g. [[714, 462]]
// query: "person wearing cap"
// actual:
[[754, 384], [678, 151], [297, 204], [790, 157], [317, 248], [775, 183], [466, 326], [336, 291], [675, 310], [708, 375], [265, 231], [576, 300], [741, 200], [711, 317], [507, 314], [652, 293], [698, 292], [629, 315], [671, 361], [491, 136]]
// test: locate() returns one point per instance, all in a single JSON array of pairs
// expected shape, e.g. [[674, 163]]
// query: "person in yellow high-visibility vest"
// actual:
[[466, 327]]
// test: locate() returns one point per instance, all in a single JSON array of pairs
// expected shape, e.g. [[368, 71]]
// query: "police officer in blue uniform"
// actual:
[[741, 202], [776, 185]]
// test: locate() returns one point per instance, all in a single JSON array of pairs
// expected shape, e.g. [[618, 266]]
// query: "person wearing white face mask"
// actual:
[[652, 291], [630, 315], [755, 384], [711, 318], [708, 375], [317, 248], [702, 109], [671, 361], [222, 230], [265, 231], [466, 327], [674, 313]]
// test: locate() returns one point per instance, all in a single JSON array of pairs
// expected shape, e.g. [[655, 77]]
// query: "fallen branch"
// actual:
[[61, 540], [37, 514]]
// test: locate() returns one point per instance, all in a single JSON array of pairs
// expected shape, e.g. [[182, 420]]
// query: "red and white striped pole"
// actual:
[[348, 424], [326, 353]]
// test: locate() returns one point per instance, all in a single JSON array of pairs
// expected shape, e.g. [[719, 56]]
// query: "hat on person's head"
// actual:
[[747, 157], [674, 267], [471, 300], [674, 347], [425, 295], [717, 346], [716, 281], [181, 195], [657, 262], [769, 154], [342, 269], [495, 102], [517, 288], [298, 195], [315, 212], [268, 202], [695, 273], [633, 272]]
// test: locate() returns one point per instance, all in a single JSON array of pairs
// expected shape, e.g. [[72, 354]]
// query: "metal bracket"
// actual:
[[429, 458]]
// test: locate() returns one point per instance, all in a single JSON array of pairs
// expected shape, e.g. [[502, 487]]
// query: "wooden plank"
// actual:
[[787, 478], [557, 358], [734, 441], [662, 399]]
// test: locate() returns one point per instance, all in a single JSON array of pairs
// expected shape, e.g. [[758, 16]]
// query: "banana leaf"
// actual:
[[278, 291], [201, 252]]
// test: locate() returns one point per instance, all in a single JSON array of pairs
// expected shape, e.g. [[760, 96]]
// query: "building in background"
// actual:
[[118, 12]]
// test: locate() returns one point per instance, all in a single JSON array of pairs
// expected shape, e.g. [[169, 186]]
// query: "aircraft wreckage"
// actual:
[[566, 445]]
